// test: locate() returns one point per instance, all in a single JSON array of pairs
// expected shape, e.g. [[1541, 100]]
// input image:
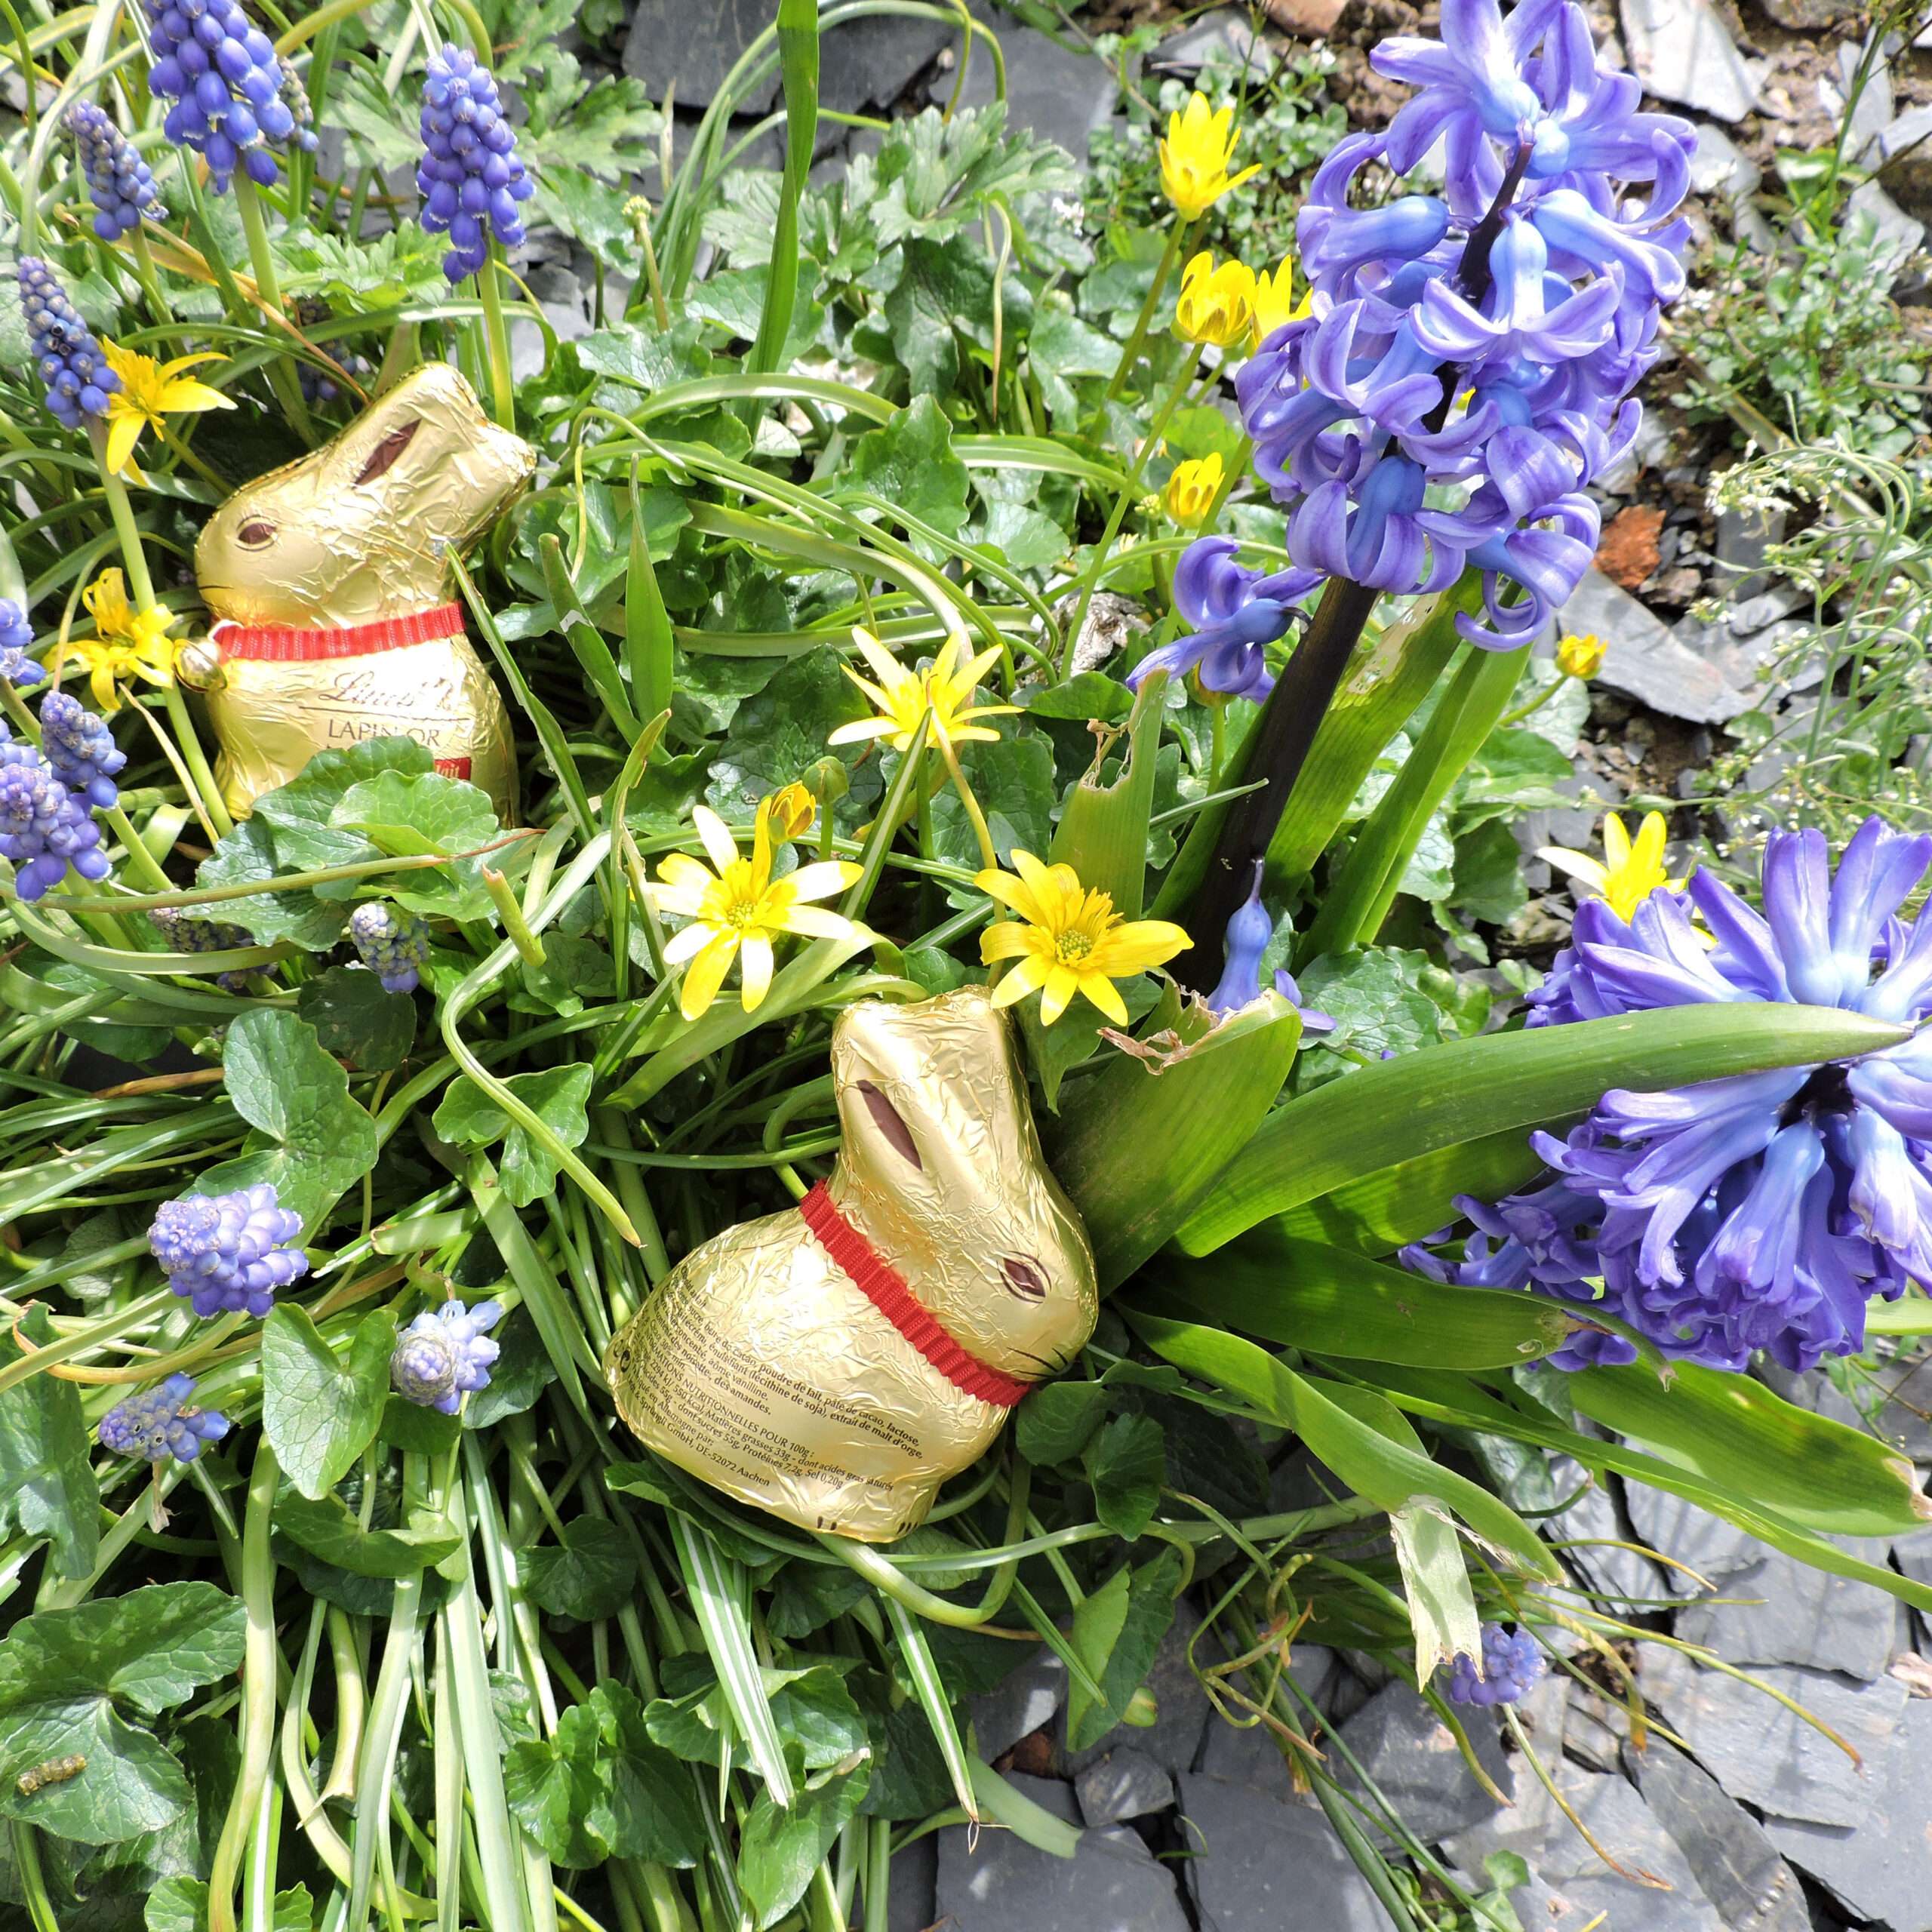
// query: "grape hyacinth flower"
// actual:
[[81, 749], [161, 1423], [1761, 1211], [225, 83], [444, 1354], [394, 945], [17, 668], [1248, 936], [229, 1254], [1512, 1668], [44, 828], [120, 183], [1234, 613], [470, 178], [188, 932], [72, 368]]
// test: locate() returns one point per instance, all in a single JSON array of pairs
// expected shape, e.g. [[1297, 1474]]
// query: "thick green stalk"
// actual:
[[496, 342], [261, 259], [797, 54]]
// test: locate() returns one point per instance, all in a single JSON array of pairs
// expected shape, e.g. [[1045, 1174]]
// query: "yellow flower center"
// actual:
[[1071, 949]]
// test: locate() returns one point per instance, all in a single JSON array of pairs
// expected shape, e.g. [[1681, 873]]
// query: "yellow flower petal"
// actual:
[[124, 432], [705, 974], [757, 971], [819, 922], [687, 942], [1030, 973], [1061, 985], [822, 878], [1104, 994], [719, 846]]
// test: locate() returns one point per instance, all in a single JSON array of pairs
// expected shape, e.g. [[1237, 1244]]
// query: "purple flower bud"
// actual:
[[468, 146], [444, 1354], [394, 945], [1512, 1668], [17, 668], [81, 749], [73, 369], [44, 828]]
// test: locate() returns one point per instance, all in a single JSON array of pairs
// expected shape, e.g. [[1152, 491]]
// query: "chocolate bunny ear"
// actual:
[[382, 458]]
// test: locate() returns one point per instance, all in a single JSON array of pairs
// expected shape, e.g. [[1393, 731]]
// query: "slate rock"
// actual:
[[1174, 1738], [1619, 1820], [1706, 1543], [1533, 1816], [1644, 661], [1112, 1883], [1781, 1610], [1768, 1756], [1913, 1555], [1899, 234], [1682, 51], [1261, 1865], [1124, 1784], [1247, 1754], [1905, 1417], [1737, 1866], [1719, 168], [911, 1903], [1880, 1867], [1412, 1757], [1053, 92], [1017, 1707], [1592, 1522], [1906, 151]]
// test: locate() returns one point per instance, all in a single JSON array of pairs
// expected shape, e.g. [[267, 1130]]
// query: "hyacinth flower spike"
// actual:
[[1247, 939]]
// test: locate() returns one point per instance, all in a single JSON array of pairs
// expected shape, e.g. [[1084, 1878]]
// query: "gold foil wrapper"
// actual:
[[359, 531], [759, 1366]]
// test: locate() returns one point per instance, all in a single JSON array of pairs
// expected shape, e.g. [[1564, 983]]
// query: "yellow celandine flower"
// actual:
[[1195, 157], [1068, 940], [1275, 301], [902, 696], [1580, 656], [1628, 873], [127, 644], [791, 810], [1193, 488], [1215, 305], [151, 392], [739, 910]]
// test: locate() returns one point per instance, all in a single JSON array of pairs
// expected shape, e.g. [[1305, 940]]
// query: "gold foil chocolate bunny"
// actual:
[[835, 1363], [329, 585]]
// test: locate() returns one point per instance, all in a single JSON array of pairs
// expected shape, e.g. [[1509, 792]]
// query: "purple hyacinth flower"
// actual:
[[1248, 933], [162, 1423], [229, 92], [444, 1354], [470, 178], [1512, 1668], [1763, 1210], [44, 829], [1235, 612], [229, 1254]]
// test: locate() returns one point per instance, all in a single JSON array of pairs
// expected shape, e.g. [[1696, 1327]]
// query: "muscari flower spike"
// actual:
[[188, 932], [120, 183], [470, 176], [81, 749], [229, 1254], [394, 945], [1512, 1668], [444, 1354], [17, 668], [1462, 371], [1761, 1211], [227, 88], [44, 828], [162, 1423], [71, 363]]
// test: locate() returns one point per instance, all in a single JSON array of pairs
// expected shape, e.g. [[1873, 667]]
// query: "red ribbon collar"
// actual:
[[272, 643], [885, 1287]]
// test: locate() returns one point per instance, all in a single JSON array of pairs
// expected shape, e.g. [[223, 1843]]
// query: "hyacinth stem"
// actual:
[[261, 259], [496, 342], [149, 277], [1137, 340]]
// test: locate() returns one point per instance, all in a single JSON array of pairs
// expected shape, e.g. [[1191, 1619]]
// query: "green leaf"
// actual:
[[909, 461], [246, 857], [67, 1679], [320, 1414], [1127, 1464], [1013, 781], [1091, 696], [520, 1375], [1055, 1422], [299, 812], [1102, 832], [1117, 1629], [1377, 1000], [409, 814], [47, 1484], [356, 1020], [558, 1096], [318, 1142], [1328, 1301], [181, 1904], [1390, 1475], [591, 1574], [1414, 1105], [1137, 1145], [781, 733], [779, 1848], [815, 1713], [1735, 1432], [326, 1527]]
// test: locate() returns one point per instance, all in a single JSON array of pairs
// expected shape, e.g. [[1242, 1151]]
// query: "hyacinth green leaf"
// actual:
[[1390, 1473], [1328, 1301], [593, 655], [1737, 1432], [1470, 1089], [1138, 1144], [1102, 829]]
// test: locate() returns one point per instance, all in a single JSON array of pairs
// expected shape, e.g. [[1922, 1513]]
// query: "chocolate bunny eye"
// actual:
[[255, 534], [1024, 1277], [891, 1123]]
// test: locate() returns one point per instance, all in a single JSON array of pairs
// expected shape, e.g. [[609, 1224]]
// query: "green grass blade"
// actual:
[[798, 62], [916, 1654], [586, 640], [647, 631]]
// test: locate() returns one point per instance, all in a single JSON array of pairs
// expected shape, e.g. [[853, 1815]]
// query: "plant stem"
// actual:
[[972, 804], [1137, 340], [261, 259], [496, 343]]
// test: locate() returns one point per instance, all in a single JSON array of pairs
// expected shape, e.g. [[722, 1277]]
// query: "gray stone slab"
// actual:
[[1898, 233], [1673, 1527], [1781, 1610], [1600, 1556], [1718, 167], [1247, 1754], [1913, 1555], [1112, 1883], [912, 1900], [1261, 1865], [1682, 51], [1880, 1869], [1619, 1820], [1018, 1706], [1174, 1738], [1124, 1784], [1532, 1815], [1412, 1759], [1055, 93], [1642, 659], [1904, 1415], [1768, 1756], [1737, 1866]]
